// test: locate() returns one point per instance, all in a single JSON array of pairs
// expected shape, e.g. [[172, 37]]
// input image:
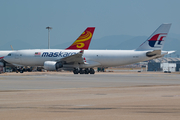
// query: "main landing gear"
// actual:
[[83, 71]]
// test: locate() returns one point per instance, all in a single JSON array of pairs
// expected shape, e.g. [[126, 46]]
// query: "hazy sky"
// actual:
[[26, 20]]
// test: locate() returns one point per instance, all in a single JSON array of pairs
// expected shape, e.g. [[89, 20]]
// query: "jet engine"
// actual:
[[52, 65]]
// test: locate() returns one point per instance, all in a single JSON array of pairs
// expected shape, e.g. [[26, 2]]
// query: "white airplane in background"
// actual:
[[82, 42], [83, 61]]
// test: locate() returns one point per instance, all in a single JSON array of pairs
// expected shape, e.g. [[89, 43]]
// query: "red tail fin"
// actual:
[[83, 40]]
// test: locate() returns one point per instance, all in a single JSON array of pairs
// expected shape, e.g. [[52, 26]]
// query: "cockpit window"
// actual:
[[9, 54]]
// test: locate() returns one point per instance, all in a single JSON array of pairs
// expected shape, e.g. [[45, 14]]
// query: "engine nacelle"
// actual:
[[52, 65]]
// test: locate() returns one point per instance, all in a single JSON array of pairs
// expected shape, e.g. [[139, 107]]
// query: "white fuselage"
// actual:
[[105, 58], [4, 53]]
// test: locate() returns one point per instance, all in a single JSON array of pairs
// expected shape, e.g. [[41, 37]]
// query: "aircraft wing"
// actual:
[[76, 58]]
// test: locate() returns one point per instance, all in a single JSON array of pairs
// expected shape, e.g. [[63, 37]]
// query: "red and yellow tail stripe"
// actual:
[[83, 40]]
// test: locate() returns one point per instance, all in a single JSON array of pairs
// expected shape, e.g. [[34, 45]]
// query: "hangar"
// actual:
[[164, 64]]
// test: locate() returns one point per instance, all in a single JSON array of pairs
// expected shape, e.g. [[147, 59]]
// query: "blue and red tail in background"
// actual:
[[156, 40]]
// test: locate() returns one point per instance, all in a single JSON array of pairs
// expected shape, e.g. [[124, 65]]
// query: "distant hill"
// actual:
[[62, 46], [16, 44], [109, 42], [132, 43]]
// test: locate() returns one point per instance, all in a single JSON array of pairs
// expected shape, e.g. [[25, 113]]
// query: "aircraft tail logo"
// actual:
[[83, 40], [157, 39]]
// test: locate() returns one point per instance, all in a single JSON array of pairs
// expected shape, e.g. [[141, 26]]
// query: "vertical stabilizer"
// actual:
[[83, 40], [157, 39]]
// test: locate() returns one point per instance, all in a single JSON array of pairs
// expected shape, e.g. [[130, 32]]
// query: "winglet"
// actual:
[[83, 41]]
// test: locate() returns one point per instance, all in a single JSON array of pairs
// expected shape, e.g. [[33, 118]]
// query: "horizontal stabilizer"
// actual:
[[153, 53], [159, 56], [169, 52]]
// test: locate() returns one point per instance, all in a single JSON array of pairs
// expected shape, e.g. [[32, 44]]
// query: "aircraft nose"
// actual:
[[6, 58]]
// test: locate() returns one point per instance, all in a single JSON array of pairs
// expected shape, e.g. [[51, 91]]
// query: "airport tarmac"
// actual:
[[102, 96]]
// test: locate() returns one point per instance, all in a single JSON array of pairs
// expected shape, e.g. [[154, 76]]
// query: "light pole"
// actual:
[[49, 28]]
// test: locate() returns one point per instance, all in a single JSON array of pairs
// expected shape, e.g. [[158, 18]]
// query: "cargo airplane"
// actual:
[[82, 42], [83, 61]]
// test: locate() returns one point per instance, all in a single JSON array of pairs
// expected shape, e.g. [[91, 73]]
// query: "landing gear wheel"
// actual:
[[75, 71], [81, 71], [92, 71], [86, 71]]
